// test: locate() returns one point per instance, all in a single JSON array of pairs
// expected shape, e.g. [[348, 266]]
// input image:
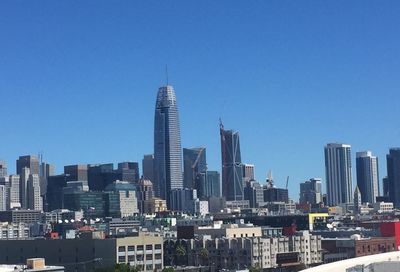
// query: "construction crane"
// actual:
[[287, 182]]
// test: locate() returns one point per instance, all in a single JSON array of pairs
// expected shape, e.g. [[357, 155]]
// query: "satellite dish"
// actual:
[[60, 221], [72, 220], [66, 221], [97, 219], [329, 226], [85, 221]]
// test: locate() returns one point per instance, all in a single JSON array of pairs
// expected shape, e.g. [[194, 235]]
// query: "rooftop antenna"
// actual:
[[166, 72]]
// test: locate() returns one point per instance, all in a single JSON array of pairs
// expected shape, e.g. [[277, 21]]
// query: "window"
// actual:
[[131, 248], [149, 257], [149, 267], [121, 259], [131, 258], [158, 246], [121, 249], [149, 247], [157, 256], [140, 247]]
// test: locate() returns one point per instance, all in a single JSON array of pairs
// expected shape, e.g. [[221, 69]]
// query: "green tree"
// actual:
[[254, 269], [203, 255], [168, 269]]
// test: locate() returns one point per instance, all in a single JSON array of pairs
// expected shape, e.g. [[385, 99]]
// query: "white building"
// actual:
[[13, 192], [383, 207], [3, 198], [338, 174], [35, 201], [367, 176]]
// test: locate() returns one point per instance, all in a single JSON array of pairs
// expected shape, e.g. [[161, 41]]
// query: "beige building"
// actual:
[[219, 230], [154, 205]]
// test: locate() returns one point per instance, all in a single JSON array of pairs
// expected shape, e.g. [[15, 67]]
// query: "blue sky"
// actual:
[[78, 79]]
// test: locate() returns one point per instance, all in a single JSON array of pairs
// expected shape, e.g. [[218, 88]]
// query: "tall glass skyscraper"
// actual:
[[367, 176], [232, 168], [393, 170], [338, 174], [167, 144], [195, 170]]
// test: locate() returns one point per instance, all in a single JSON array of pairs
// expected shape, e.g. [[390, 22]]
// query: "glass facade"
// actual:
[[167, 144]]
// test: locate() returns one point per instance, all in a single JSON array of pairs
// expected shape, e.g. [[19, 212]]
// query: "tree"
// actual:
[[168, 269], [180, 252], [254, 269], [203, 255]]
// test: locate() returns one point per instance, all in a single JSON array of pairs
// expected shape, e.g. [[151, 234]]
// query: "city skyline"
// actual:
[[280, 85]]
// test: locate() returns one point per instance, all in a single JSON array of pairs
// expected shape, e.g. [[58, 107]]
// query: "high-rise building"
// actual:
[[148, 167], [248, 172], [213, 184], [3, 169], [367, 176], [101, 175], [3, 198], [338, 174], [183, 200], [232, 169], [45, 171], [357, 201], [28, 161], [167, 144], [76, 172], [253, 192], [129, 171], [33, 193], [23, 187], [385, 186], [13, 192], [310, 191], [195, 170], [393, 170], [144, 192], [54, 194]]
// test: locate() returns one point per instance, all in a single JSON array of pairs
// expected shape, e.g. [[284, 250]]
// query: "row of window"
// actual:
[[139, 247], [139, 258]]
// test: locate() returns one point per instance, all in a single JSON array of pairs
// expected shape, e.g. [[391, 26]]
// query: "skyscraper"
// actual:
[[3, 169], [367, 176], [33, 193], [213, 184], [310, 191], [76, 172], [13, 200], [338, 174], [393, 170], [23, 187], [195, 170], [167, 144], [232, 169], [28, 161], [148, 167], [45, 171], [248, 172]]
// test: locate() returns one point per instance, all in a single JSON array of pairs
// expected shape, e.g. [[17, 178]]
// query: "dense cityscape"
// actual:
[[175, 214]]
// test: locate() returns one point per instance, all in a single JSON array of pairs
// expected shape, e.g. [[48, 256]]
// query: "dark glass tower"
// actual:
[[232, 169], [195, 170], [167, 144], [393, 170]]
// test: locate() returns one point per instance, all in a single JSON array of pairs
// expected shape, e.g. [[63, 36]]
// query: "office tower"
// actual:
[[13, 194], [148, 167], [393, 170], [101, 175], [28, 161], [338, 174], [195, 170], [76, 172], [248, 172], [213, 184], [385, 186], [33, 192], [3, 169], [273, 194], [23, 187], [55, 185], [232, 170], [310, 191], [367, 176], [183, 200], [167, 144], [3, 198], [253, 192], [357, 201], [120, 199], [45, 171], [128, 171], [144, 192]]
